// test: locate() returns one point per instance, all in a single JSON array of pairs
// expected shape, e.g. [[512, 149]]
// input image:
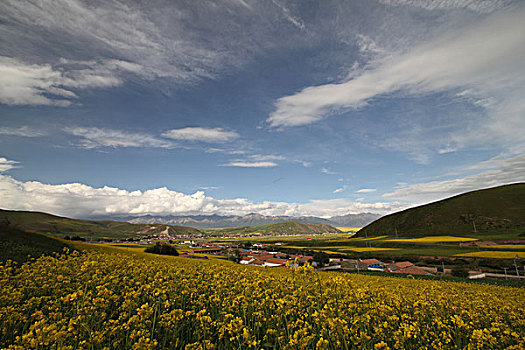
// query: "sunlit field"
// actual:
[[348, 229], [121, 298], [370, 239]]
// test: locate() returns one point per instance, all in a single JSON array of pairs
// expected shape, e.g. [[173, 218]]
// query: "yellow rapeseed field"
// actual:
[[348, 229], [113, 299]]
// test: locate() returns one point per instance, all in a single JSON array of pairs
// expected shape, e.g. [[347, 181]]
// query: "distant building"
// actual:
[[207, 251], [412, 270]]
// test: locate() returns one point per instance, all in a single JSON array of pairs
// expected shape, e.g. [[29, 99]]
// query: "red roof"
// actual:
[[245, 258], [257, 262], [262, 256], [277, 261], [404, 264], [412, 270], [306, 258], [206, 250], [370, 261]]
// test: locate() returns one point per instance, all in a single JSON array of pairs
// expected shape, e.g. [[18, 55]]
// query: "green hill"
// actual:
[[89, 229], [19, 245], [281, 228], [499, 210]]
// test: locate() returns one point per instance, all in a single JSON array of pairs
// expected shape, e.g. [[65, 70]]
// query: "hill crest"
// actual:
[[497, 209]]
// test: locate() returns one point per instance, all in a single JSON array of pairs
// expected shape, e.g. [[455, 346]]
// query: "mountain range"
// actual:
[[219, 221]]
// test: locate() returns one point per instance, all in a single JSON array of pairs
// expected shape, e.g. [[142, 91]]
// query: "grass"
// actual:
[[433, 239], [497, 211], [338, 249], [507, 246], [21, 246], [493, 254], [89, 229]]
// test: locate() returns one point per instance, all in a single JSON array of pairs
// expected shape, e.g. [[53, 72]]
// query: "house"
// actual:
[[275, 262], [208, 251], [412, 270], [261, 256], [370, 264], [246, 260], [302, 258], [398, 266], [256, 262]]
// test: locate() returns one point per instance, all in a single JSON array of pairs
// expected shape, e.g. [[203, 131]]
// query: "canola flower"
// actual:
[[113, 299]]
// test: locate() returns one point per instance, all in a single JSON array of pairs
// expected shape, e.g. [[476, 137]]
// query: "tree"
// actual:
[[321, 258], [459, 271], [164, 249]]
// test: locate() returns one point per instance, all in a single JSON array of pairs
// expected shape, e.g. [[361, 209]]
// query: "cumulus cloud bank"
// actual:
[[79, 200]]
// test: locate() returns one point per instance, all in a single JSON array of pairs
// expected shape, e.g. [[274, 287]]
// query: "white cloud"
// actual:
[[486, 60], [241, 164], [97, 137], [501, 171], [366, 190], [482, 6], [201, 134], [44, 84], [265, 157], [7, 164], [24, 131], [303, 163], [340, 189], [79, 200], [296, 21], [328, 172], [117, 29]]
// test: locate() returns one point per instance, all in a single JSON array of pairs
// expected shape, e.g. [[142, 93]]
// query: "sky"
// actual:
[[324, 108]]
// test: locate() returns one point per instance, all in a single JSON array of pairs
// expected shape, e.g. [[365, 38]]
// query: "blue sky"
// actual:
[[277, 107]]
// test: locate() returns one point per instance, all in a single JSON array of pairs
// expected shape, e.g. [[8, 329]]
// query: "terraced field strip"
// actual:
[[348, 229], [493, 254], [371, 238], [336, 249], [433, 239]]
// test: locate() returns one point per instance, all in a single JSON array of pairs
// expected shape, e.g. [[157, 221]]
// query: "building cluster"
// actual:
[[405, 267], [274, 259]]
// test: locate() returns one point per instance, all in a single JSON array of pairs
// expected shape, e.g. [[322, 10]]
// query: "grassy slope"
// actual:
[[17, 245], [498, 210], [60, 226], [289, 227]]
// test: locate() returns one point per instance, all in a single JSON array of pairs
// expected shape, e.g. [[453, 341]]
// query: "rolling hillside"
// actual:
[[20, 246], [282, 228], [60, 226], [498, 210]]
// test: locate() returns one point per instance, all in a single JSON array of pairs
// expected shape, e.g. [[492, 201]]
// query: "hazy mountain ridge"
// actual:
[[218, 221]]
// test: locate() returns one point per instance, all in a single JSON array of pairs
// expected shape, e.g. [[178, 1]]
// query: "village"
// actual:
[[257, 256]]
